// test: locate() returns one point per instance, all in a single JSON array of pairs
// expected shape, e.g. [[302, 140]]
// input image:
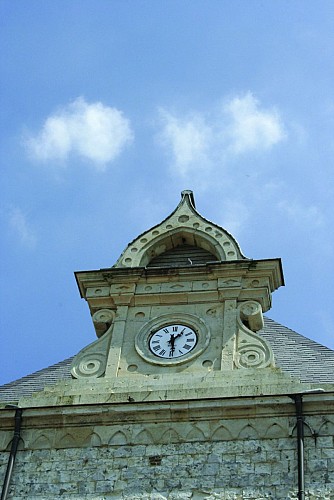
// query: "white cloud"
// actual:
[[198, 142], [18, 222], [251, 128], [92, 131], [188, 138]]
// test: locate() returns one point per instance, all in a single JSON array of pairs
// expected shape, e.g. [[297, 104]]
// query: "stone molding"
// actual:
[[172, 387], [242, 280], [169, 422]]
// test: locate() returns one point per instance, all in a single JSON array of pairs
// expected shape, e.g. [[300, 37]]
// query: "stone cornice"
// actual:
[[211, 409]]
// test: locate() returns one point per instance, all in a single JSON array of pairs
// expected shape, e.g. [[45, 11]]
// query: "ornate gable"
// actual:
[[185, 230]]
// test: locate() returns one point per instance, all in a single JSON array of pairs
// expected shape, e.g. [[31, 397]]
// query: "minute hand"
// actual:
[[179, 334]]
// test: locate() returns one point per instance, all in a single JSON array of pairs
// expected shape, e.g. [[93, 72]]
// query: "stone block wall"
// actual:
[[232, 470], [201, 452]]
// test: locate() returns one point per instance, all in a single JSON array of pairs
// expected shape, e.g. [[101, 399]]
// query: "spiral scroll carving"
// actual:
[[252, 351], [252, 356], [91, 365], [92, 360], [102, 320]]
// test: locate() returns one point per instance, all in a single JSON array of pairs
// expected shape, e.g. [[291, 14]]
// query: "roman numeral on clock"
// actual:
[[186, 346]]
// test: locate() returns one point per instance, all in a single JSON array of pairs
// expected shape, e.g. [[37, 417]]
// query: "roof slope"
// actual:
[[299, 356], [295, 354], [36, 381]]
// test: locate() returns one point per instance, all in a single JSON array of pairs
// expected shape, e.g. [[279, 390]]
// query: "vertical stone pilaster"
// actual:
[[229, 331], [114, 356]]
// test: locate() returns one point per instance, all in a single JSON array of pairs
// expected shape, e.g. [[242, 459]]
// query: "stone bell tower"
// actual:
[[177, 314]]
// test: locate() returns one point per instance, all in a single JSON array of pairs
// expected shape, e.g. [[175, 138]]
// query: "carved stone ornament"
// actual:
[[251, 351], [92, 360]]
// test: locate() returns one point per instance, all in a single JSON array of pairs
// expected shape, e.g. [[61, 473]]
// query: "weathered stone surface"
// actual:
[[157, 456], [179, 475]]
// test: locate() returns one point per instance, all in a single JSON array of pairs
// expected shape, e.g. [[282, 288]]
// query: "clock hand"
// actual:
[[179, 334], [171, 342]]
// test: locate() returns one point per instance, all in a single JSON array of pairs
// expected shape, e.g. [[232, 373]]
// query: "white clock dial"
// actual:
[[173, 341]]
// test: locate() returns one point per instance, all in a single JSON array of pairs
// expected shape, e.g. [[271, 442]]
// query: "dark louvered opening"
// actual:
[[185, 255]]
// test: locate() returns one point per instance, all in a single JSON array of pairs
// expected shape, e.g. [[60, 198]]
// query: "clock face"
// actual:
[[173, 341]]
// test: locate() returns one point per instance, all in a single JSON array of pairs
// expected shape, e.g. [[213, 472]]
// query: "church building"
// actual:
[[189, 391]]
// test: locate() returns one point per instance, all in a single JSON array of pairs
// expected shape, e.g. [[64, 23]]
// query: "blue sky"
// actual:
[[109, 109]]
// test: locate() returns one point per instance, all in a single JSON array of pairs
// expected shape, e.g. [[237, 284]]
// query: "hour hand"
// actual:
[[171, 342]]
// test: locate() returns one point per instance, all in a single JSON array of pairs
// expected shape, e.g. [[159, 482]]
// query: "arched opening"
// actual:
[[182, 248], [185, 255]]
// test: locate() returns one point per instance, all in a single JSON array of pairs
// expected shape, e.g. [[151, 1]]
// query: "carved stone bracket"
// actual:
[[102, 320], [91, 361], [251, 351], [250, 313]]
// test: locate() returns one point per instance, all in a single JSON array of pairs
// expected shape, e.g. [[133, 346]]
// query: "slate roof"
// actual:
[[297, 355], [25, 386]]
